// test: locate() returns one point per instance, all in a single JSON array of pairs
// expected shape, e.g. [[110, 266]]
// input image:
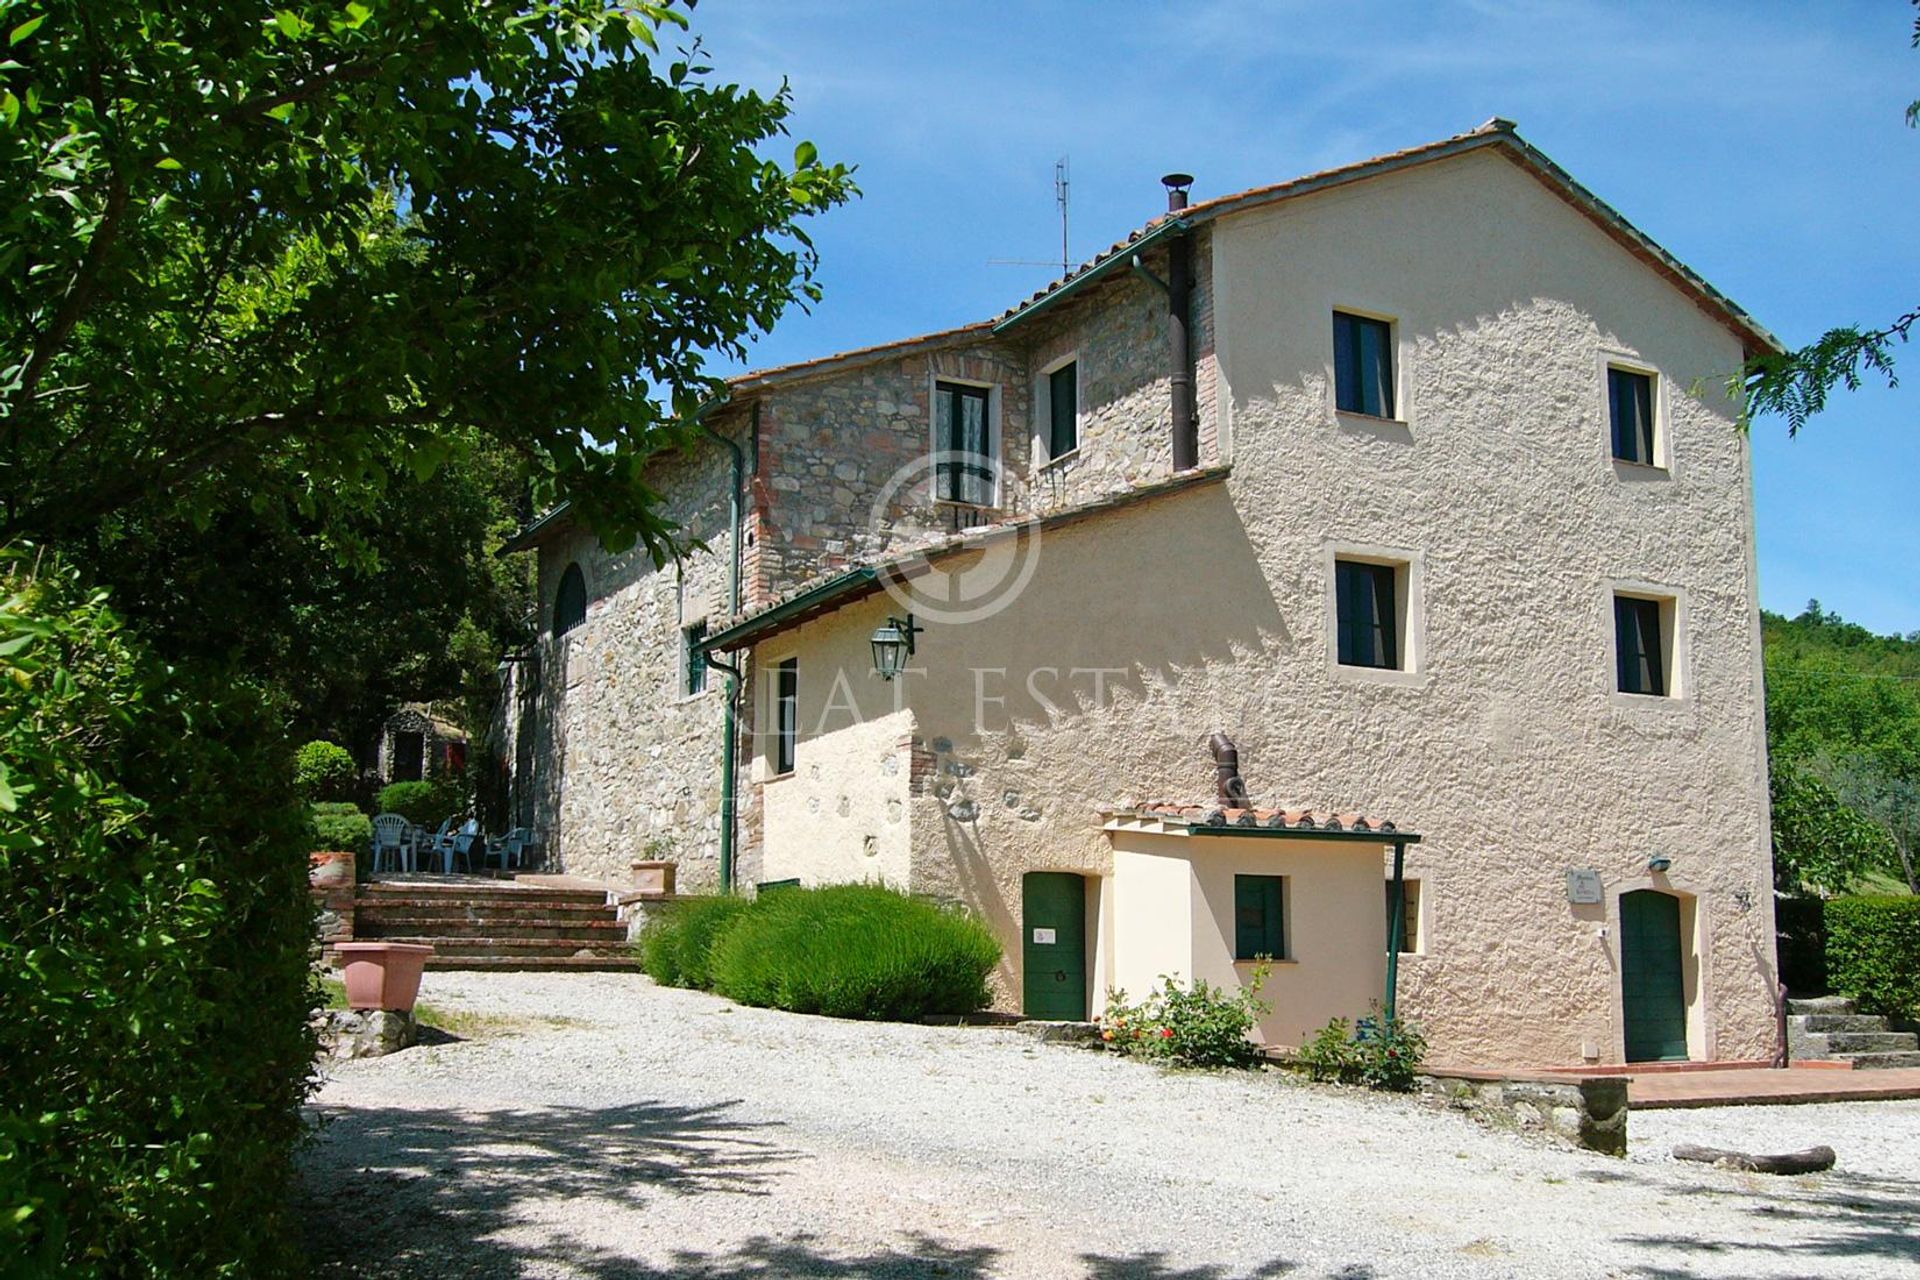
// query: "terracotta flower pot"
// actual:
[[382, 975], [653, 878], [330, 869]]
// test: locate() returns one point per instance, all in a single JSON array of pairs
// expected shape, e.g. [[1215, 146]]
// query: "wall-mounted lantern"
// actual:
[[1659, 864], [893, 645]]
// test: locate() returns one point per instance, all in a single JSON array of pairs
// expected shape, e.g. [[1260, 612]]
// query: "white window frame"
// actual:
[[1674, 643], [1409, 582], [1627, 362], [995, 451], [1043, 411], [1402, 384]]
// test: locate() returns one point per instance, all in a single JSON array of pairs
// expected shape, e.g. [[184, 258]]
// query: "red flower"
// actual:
[[1166, 1033]]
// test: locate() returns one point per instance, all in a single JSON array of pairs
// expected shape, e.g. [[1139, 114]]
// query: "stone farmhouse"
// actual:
[[1415, 479]]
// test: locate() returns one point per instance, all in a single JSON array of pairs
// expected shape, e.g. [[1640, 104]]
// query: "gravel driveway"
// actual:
[[603, 1127]]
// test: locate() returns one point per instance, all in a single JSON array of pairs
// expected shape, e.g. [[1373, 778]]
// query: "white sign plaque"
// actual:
[[1583, 886], [1043, 938]]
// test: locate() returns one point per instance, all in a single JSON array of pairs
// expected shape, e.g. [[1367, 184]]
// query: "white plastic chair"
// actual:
[[390, 842]]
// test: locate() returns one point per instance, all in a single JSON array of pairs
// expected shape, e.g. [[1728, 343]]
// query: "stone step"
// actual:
[[1821, 1004], [530, 964], [1881, 1061], [395, 929], [1824, 1023], [1850, 1042]]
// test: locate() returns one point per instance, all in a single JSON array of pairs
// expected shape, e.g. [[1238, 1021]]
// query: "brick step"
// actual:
[[480, 893], [1826, 1023], [1821, 1004], [1881, 1061], [444, 946], [601, 931], [492, 910], [530, 964]]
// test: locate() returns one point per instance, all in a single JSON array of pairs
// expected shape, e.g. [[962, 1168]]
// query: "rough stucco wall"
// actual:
[[842, 813], [617, 757]]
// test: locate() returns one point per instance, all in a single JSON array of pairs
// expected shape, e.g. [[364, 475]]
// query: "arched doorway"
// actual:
[[1653, 983]]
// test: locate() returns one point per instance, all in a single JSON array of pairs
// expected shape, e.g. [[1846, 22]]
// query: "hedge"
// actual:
[[340, 825], [323, 771], [154, 930], [1873, 952], [424, 804], [854, 951]]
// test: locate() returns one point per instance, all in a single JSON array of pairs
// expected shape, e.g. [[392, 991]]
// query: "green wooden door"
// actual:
[[1653, 986], [1053, 945]]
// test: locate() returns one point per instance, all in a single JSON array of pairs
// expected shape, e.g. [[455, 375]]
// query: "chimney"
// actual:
[[1176, 185]]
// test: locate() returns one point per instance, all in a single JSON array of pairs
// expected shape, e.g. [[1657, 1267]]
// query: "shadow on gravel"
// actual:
[[1840, 1217], [425, 1194]]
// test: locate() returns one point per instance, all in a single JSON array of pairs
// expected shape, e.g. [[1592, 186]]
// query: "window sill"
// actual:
[[1275, 961], [777, 777], [991, 508], [1070, 455], [1669, 702], [1400, 676], [1628, 469], [1371, 420]]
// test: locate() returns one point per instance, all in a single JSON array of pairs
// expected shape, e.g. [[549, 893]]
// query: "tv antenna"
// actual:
[[1062, 191]]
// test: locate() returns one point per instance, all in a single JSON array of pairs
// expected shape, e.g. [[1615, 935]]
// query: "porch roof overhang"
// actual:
[[1261, 824]]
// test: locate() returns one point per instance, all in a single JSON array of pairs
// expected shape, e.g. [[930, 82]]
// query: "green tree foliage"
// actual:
[[425, 803], [1795, 384], [153, 953], [248, 251], [1843, 735]]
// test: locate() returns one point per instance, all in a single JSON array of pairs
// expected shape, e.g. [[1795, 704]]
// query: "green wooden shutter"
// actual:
[[1385, 629], [1256, 918], [1064, 397]]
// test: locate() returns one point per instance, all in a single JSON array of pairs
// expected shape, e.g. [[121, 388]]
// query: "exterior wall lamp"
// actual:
[[1659, 864], [893, 645]]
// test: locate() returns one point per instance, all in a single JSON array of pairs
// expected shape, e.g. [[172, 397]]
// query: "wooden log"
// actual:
[[1812, 1160]]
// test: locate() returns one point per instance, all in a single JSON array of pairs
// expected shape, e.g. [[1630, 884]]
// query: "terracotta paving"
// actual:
[[1769, 1086]]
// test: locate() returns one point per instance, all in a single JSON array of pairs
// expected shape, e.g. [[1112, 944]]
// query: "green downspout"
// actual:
[[1397, 929], [730, 743]]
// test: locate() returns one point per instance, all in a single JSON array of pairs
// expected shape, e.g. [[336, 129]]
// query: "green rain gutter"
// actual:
[[1122, 256], [730, 738], [813, 598]]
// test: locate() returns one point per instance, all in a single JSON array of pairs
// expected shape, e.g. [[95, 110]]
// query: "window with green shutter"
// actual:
[[1630, 404], [1365, 601], [1362, 365], [786, 715], [1063, 410], [1257, 927], [696, 663], [1639, 649]]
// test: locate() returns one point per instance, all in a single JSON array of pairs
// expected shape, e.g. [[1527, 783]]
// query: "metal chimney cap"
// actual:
[[1177, 181]]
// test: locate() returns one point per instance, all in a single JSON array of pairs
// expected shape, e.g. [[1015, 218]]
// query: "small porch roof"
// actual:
[[1164, 817]]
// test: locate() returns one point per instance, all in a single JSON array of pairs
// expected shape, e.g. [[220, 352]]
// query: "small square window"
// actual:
[[1368, 614], [1639, 646], [691, 638], [1063, 410], [1362, 365], [1630, 406], [786, 714], [1410, 922], [1257, 923]]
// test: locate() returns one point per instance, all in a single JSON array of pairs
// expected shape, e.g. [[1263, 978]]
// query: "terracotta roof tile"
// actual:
[[1297, 819]]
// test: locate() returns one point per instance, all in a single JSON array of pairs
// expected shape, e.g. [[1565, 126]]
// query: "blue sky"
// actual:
[[1762, 143]]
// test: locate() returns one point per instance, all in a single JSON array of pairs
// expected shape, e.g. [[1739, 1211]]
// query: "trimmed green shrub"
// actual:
[[1195, 1026], [1800, 944], [154, 935], [323, 771], [676, 949], [425, 804], [855, 951], [340, 825], [1873, 953]]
